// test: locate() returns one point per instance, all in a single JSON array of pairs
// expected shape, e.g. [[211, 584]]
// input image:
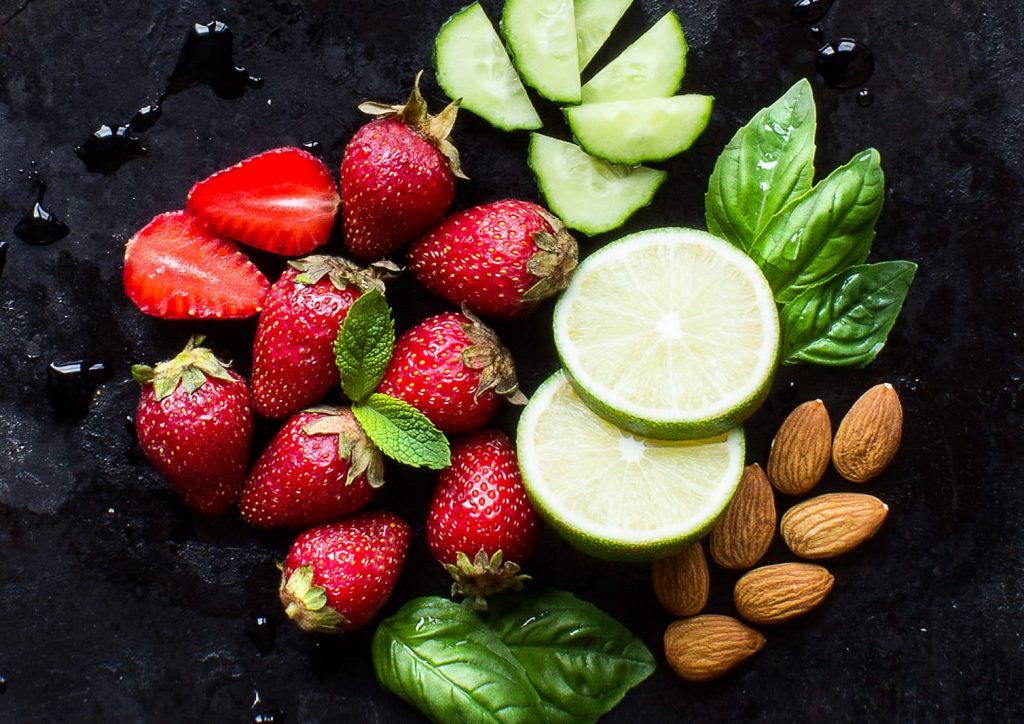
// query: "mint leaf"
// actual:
[[362, 350], [402, 432]]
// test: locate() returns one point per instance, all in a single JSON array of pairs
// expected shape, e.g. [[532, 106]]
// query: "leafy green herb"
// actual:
[[402, 432], [767, 164], [362, 350], [824, 231], [845, 321]]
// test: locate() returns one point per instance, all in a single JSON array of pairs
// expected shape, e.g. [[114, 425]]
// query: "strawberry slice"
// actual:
[[282, 201], [176, 268]]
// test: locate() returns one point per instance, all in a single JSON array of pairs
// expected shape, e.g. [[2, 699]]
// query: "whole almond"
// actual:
[[869, 435], [705, 647], [742, 534], [772, 594], [801, 449], [830, 525], [681, 581]]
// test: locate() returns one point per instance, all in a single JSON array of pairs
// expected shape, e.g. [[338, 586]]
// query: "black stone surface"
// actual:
[[118, 604]]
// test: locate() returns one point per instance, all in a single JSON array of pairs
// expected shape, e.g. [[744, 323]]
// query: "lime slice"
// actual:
[[612, 494], [669, 333]]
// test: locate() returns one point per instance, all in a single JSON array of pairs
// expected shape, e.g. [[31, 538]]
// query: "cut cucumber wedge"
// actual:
[[652, 67], [632, 132], [595, 20], [588, 194], [472, 65], [542, 37]]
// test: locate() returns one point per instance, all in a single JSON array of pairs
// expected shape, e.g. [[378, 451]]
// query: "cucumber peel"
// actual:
[[542, 37]]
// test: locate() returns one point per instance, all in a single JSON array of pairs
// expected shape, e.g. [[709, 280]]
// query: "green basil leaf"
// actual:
[[769, 162], [440, 658], [581, 660], [844, 322], [824, 231], [362, 350], [402, 432]]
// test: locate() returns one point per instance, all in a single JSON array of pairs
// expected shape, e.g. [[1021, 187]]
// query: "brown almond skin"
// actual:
[[830, 525], [744, 532], [773, 594], [869, 435], [681, 581], [705, 647], [801, 449]]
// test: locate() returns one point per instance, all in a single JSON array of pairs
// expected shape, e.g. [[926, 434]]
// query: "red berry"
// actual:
[[337, 576], [282, 201], [319, 467], [293, 357], [194, 422], [176, 268], [481, 525], [454, 370], [499, 260]]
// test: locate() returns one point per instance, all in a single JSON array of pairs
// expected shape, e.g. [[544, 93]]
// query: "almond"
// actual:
[[801, 449], [830, 525], [705, 647], [742, 534], [869, 435], [681, 581], [772, 594]]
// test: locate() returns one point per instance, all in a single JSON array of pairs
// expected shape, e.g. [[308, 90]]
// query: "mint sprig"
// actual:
[[402, 432]]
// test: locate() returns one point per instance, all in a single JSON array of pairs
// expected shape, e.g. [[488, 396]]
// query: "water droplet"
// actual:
[[845, 63], [3, 256], [262, 631], [107, 149], [70, 387], [817, 33], [146, 117], [312, 146], [39, 226], [810, 11], [208, 58], [265, 713], [865, 97], [3, 684]]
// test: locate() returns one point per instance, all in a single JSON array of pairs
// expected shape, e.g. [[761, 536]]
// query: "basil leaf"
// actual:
[[825, 230], [581, 660], [769, 162], [845, 321], [440, 658], [402, 432], [362, 350]]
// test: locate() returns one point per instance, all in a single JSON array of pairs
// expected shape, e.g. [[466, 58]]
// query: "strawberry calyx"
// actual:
[[305, 603], [554, 261], [342, 273], [353, 443], [415, 114], [483, 576], [488, 355], [191, 367]]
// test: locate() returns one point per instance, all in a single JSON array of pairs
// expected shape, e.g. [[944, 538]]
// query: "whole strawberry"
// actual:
[[194, 422], [319, 467], [454, 370], [481, 525], [336, 577], [293, 362], [499, 259], [397, 175]]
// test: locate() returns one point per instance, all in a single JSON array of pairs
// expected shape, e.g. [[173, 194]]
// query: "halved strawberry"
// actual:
[[282, 201], [176, 268]]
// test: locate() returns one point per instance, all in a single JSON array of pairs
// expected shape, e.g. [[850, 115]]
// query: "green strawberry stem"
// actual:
[[191, 367], [484, 576], [306, 603]]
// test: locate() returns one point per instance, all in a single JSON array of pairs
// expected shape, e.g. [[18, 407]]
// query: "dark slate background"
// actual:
[[118, 604]]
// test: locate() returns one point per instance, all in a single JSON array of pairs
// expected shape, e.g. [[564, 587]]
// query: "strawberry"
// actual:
[[282, 201], [481, 525], [336, 577], [176, 268], [454, 370], [397, 175], [499, 259], [194, 423], [319, 467], [293, 360]]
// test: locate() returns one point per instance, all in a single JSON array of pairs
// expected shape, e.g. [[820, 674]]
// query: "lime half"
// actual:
[[612, 494], [669, 333]]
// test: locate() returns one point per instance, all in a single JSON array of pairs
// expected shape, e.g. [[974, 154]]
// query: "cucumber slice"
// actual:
[[542, 37], [588, 194], [472, 65], [632, 132], [595, 20], [652, 67]]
